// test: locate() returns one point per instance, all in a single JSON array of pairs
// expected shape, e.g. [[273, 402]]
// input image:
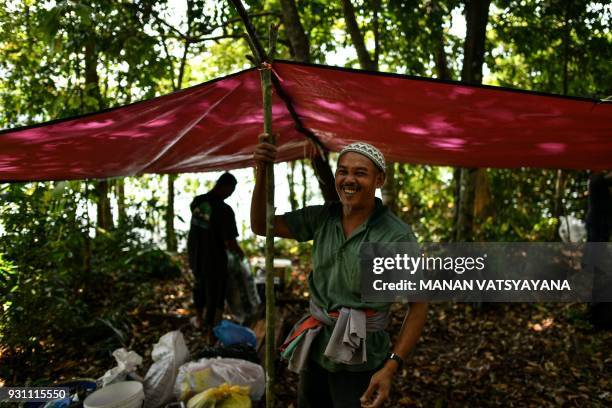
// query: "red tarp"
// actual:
[[215, 126]]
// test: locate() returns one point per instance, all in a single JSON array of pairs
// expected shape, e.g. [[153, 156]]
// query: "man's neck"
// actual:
[[353, 217]]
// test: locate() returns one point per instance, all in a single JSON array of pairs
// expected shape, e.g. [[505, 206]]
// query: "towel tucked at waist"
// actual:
[[347, 344]]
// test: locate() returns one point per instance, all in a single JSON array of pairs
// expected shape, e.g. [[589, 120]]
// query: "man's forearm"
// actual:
[[410, 331]]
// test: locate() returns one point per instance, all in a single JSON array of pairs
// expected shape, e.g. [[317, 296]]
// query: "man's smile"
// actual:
[[349, 190]]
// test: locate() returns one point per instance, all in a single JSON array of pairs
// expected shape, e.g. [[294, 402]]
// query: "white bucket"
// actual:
[[127, 394]]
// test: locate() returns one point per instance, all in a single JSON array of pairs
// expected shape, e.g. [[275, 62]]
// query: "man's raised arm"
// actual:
[[264, 153]]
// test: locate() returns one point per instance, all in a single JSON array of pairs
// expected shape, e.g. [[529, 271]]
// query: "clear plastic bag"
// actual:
[[169, 353], [242, 297], [198, 376]]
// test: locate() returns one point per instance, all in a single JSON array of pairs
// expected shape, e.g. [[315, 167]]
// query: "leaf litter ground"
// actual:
[[523, 355]]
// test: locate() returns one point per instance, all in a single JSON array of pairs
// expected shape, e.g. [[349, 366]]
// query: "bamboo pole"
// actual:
[[266, 86], [263, 62]]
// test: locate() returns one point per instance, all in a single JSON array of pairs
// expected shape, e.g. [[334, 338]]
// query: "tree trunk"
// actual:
[[103, 211], [560, 182], [561, 176], [375, 26], [301, 52], [291, 181], [295, 31], [352, 27], [465, 214], [93, 102], [86, 236], [443, 72], [482, 196], [388, 190], [171, 244], [456, 200], [325, 177], [120, 191], [476, 16], [304, 185], [439, 54]]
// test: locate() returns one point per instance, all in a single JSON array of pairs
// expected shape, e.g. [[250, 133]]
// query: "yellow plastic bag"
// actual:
[[197, 376], [223, 396]]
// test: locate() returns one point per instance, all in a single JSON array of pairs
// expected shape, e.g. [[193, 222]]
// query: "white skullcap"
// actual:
[[368, 151]]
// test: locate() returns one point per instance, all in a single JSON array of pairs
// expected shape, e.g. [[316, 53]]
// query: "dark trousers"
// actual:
[[208, 262], [319, 388], [209, 292]]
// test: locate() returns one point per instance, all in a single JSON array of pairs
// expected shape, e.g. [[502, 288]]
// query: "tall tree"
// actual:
[[93, 101], [476, 17]]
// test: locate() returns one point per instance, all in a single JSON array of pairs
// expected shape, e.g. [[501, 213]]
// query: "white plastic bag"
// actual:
[[127, 361], [198, 376], [572, 229], [169, 353]]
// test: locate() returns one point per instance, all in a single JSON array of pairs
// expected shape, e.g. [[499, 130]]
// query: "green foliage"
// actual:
[[155, 264], [425, 200], [552, 46], [42, 231], [55, 279], [524, 199]]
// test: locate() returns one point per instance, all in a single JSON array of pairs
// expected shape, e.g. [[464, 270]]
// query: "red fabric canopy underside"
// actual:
[[214, 126]]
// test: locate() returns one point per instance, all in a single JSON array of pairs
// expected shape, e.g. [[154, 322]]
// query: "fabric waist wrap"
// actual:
[[347, 344]]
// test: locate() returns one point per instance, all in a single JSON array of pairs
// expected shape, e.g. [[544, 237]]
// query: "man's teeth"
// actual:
[[350, 190]]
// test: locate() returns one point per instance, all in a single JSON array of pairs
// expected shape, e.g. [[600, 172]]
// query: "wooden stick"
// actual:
[[265, 70], [266, 87]]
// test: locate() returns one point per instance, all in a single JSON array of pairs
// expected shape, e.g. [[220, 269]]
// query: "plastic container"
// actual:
[[126, 394]]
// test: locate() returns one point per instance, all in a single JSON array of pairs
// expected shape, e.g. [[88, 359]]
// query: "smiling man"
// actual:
[[341, 350]]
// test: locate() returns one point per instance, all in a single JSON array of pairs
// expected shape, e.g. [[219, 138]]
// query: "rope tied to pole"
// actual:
[[265, 65]]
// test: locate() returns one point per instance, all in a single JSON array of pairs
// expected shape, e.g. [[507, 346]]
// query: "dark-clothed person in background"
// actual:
[[599, 229], [213, 231]]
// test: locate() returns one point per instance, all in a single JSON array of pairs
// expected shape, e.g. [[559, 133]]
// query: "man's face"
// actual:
[[357, 179]]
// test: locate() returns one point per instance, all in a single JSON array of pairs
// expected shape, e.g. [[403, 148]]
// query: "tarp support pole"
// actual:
[[265, 71], [266, 87]]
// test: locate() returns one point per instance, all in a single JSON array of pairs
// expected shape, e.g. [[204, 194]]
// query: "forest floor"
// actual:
[[518, 354]]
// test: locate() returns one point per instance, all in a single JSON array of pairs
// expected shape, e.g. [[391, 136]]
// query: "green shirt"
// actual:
[[335, 280]]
